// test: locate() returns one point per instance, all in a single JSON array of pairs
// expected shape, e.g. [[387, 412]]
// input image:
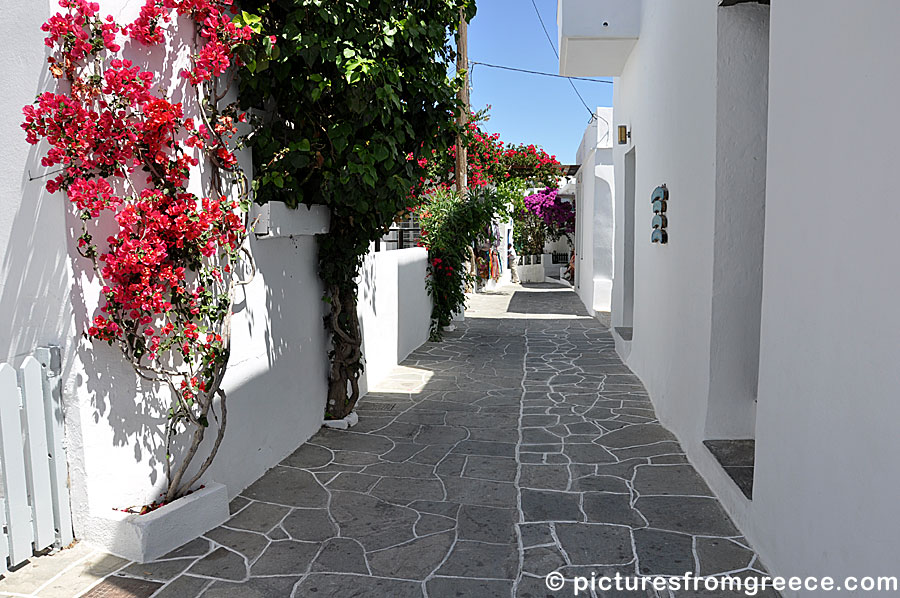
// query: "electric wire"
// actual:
[[550, 41], [530, 72]]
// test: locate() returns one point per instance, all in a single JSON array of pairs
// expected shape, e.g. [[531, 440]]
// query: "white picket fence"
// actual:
[[34, 497]]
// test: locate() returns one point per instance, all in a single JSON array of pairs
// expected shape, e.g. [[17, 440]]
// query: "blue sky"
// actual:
[[528, 108]]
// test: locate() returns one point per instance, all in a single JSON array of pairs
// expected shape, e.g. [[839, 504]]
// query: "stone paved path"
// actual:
[[519, 446]]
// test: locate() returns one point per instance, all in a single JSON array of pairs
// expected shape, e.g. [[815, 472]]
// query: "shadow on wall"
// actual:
[[370, 318], [34, 297], [34, 276], [277, 378], [134, 410]]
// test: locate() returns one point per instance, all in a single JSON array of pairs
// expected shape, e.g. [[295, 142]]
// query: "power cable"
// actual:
[[550, 41], [543, 74]]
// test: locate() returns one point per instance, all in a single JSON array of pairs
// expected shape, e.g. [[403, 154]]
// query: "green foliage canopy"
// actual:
[[349, 94]]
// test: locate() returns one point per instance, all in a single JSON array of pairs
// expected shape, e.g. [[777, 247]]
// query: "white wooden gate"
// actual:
[[34, 489]]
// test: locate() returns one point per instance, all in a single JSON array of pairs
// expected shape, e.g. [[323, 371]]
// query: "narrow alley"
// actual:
[[519, 446]]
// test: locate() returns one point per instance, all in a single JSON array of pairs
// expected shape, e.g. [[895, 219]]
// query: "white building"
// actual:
[[594, 192], [770, 314]]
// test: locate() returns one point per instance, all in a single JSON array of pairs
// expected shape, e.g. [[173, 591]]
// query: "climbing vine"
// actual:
[[498, 176], [555, 215], [450, 224], [125, 155], [355, 87]]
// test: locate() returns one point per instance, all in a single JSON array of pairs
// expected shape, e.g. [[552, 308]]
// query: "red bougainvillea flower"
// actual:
[[171, 246]]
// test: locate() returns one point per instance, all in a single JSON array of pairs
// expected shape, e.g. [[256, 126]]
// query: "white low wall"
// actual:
[[394, 309], [531, 273]]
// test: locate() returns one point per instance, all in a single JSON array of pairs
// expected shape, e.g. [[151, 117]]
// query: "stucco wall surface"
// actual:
[[741, 125], [825, 447], [826, 486], [667, 98], [276, 380]]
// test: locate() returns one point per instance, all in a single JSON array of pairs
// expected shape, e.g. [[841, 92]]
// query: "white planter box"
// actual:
[[143, 538]]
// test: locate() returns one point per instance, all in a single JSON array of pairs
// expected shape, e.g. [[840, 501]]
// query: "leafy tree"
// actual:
[[350, 94], [499, 174]]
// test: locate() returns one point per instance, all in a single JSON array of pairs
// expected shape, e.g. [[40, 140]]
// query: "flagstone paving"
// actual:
[[519, 446]]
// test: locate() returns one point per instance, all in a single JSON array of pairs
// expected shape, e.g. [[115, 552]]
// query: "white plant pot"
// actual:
[[143, 538]]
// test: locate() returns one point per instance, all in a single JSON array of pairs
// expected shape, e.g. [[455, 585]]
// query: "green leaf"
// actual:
[[381, 153]]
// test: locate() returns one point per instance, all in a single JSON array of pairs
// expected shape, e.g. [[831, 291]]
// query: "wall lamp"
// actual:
[[624, 134]]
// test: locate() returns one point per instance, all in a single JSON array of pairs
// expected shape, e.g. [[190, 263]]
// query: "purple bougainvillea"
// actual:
[[558, 215]]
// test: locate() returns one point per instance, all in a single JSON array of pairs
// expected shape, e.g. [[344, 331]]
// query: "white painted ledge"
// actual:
[[277, 220], [143, 538]]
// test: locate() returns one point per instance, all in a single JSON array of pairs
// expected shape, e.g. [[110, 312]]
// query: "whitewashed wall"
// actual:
[[48, 294], [594, 214], [35, 277], [667, 97], [394, 309], [694, 320], [36, 280], [276, 383], [741, 131], [827, 474], [820, 312]]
